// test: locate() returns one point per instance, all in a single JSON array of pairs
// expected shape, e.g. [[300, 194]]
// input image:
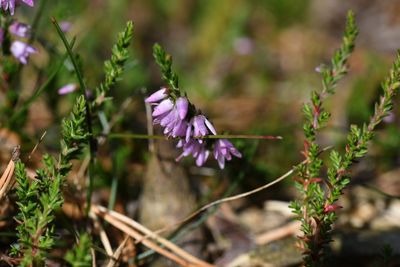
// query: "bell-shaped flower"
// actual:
[[19, 29], [21, 51], [196, 149], [157, 96], [162, 108], [8, 5], [223, 150], [199, 126]]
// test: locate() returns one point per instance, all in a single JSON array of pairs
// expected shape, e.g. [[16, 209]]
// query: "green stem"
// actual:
[[88, 111], [163, 137]]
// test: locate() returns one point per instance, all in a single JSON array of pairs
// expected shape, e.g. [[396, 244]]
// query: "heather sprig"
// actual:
[[180, 118], [39, 198], [37, 201], [80, 255], [316, 210], [114, 67], [164, 61], [310, 209]]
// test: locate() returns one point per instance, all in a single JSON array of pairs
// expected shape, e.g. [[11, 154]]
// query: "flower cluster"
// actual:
[[10, 4], [180, 119], [19, 49]]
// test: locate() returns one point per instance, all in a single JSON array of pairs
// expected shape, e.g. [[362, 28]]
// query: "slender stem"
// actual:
[[36, 20], [163, 137], [83, 87]]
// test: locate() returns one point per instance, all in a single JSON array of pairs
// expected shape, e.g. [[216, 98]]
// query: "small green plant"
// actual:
[[41, 197], [80, 255], [316, 210]]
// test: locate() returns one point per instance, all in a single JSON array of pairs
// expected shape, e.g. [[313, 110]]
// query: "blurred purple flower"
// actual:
[[67, 89], [21, 51], [27, 2], [65, 26], [10, 5], [223, 149], [196, 149], [19, 29]]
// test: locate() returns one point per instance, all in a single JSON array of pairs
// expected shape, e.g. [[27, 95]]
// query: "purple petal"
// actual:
[[235, 152], [199, 127], [210, 126], [157, 96], [221, 162], [182, 105], [189, 130], [66, 89], [202, 157], [165, 106], [28, 2], [21, 51]]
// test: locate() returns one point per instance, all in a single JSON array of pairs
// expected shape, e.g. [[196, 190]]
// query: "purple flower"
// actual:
[[68, 88], [196, 149], [162, 108], [198, 127], [223, 149], [19, 29], [172, 118], [21, 51], [157, 96], [65, 26], [10, 4]]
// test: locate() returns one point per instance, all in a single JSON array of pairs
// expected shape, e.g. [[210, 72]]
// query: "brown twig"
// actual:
[[6, 178], [133, 229]]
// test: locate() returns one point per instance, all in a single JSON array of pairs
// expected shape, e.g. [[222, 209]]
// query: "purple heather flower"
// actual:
[[19, 29], [200, 125], [162, 108], [157, 96], [172, 120], [10, 4], [68, 88], [196, 149], [65, 26], [223, 149], [21, 51]]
